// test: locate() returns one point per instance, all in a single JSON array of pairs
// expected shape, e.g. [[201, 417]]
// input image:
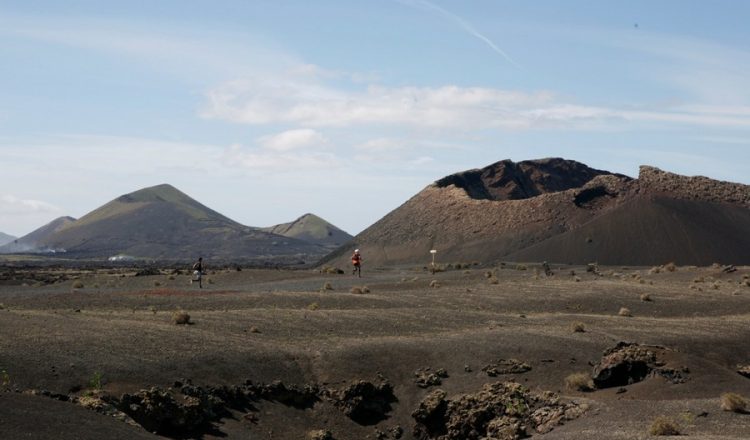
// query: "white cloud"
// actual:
[[310, 103], [12, 205], [272, 161], [292, 140]]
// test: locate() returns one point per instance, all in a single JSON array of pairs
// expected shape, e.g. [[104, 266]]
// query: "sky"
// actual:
[[265, 110]]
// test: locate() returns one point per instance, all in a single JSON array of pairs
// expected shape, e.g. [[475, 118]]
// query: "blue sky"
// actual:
[[266, 110]]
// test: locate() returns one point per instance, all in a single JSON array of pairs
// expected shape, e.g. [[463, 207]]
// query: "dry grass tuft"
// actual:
[[493, 280], [645, 297], [578, 327], [327, 286], [434, 284], [579, 382], [664, 426], [313, 306], [733, 402], [488, 274], [670, 267], [356, 290], [78, 284], [624, 311], [254, 329], [180, 317], [365, 289], [157, 284]]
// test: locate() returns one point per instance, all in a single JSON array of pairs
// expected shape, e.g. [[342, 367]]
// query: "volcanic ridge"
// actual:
[[563, 211]]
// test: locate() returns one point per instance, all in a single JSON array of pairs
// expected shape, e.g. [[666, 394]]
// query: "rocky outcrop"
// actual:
[[627, 363], [507, 180], [654, 180], [501, 410]]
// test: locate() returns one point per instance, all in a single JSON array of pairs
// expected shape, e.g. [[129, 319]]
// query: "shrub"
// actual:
[[365, 289], [493, 280], [664, 426], [670, 267], [579, 382], [157, 284], [733, 402], [624, 311], [78, 284], [181, 317], [521, 267], [313, 306], [434, 284], [170, 278], [488, 274], [645, 297], [356, 290], [327, 286], [578, 327]]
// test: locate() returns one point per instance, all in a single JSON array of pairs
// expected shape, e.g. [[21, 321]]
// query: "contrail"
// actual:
[[461, 22]]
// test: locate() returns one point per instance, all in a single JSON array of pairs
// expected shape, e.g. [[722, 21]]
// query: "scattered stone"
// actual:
[[426, 378], [744, 370], [506, 366], [320, 434]]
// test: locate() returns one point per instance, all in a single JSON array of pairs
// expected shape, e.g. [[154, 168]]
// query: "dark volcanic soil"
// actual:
[[259, 326]]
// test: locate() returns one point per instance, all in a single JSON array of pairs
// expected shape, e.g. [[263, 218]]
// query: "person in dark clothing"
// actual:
[[198, 272]]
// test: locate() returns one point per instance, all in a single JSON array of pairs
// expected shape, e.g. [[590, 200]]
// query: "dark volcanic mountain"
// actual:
[[33, 241], [563, 211], [5, 238], [312, 229], [161, 222]]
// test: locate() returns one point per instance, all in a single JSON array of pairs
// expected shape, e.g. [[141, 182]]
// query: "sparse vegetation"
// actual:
[[578, 327], [365, 289], [78, 284], [181, 317], [579, 382], [95, 383], [624, 311], [157, 284], [645, 297], [488, 274], [663, 425], [434, 284], [313, 306], [733, 402], [170, 278], [670, 267], [327, 286], [356, 290], [493, 280], [521, 267]]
